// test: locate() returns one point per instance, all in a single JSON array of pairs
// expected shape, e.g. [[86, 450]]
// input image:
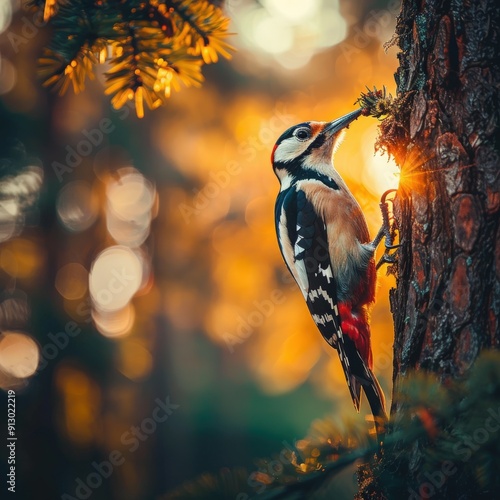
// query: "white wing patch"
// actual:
[[327, 319], [297, 268], [324, 319], [327, 273], [285, 179], [297, 248], [314, 294], [301, 276]]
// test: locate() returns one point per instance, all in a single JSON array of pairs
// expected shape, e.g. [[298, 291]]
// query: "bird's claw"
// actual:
[[389, 228], [386, 259]]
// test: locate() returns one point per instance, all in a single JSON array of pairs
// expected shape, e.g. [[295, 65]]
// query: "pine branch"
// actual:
[[183, 12], [446, 416], [151, 46]]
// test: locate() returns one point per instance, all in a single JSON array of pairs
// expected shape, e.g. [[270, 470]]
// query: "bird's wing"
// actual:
[[313, 265]]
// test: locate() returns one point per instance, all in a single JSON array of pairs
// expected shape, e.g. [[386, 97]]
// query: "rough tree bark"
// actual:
[[447, 302], [446, 138]]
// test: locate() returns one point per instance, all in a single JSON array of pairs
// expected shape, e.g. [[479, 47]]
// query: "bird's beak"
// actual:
[[342, 122]]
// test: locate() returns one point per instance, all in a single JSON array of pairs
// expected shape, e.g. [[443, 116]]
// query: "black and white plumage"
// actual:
[[325, 243]]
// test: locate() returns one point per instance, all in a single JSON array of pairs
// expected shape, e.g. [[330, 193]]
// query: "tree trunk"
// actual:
[[445, 136], [447, 301]]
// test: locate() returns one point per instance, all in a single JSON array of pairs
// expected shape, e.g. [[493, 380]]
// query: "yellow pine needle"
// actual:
[[209, 55], [102, 55], [120, 99], [49, 10], [139, 103]]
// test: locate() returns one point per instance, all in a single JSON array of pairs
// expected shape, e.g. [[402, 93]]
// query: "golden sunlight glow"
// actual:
[[19, 354], [287, 360], [380, 172]]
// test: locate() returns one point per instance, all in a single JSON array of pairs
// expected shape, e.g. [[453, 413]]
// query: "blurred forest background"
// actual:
[[138, 260]]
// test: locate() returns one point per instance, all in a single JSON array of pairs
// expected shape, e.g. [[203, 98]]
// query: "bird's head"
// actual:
[[309, 146]]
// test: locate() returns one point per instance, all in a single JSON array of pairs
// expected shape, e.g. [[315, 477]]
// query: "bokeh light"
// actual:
[[272, 34], [294, 11], [21, 258], [115, 277], [114, 323], [289, 33], [130, 204], [18, 192], [19, 354], [8, 219], [135, 361], [79, 398], [8, 75], [5, 15], [77, 206], [72, 281]]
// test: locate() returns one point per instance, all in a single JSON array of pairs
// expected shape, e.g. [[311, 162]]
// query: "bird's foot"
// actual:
[[389, 229]]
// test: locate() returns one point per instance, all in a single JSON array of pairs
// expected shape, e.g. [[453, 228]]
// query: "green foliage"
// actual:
[[150, 46], [454, 426]]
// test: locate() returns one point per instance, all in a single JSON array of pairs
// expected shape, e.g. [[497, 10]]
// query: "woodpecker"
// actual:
[[324, 240]]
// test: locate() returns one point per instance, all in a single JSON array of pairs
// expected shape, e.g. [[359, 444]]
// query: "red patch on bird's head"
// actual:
[[316, 128], [272, 154]]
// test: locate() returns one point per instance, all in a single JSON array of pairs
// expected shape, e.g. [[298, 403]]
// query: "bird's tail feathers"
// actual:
[[358, 375], [376, 400]]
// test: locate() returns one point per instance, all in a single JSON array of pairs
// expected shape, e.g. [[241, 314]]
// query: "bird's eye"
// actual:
[[302, 134]]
